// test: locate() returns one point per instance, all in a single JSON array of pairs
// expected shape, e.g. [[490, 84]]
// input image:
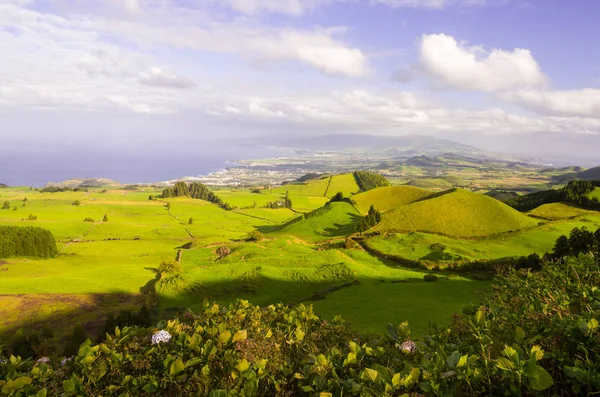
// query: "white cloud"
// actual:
[[454, 65], [159, 77], [565, 103]]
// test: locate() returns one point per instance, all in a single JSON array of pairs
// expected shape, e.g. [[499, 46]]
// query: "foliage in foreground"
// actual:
[[537, 335]]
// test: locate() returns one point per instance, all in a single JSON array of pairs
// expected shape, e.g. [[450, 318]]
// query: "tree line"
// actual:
[[26, 241], [195, 190], [58, 189], [576, 192], [368, 180]]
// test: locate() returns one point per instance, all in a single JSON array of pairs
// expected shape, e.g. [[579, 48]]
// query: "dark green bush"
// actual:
[[430, 277]]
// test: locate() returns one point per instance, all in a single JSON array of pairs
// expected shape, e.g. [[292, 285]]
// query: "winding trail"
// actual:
[[77, 239]]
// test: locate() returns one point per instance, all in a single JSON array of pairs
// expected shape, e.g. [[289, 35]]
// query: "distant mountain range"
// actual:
[[390, 145]]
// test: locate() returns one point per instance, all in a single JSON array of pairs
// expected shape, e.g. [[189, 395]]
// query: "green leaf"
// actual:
[[537, 352], [240, 335], [22, 382], [370, 374], [224, 337], [351, 359], [69, 386], [505, 364], [392, 332], [453, 359], [299, 334], [41, 393], [325, 394], [397, 380], [519, 334], [87, 361], [243, 366], [194, 361], [539, 378], [176, 367], [592, 324], [462, 362], [511, 354], [479, 317]]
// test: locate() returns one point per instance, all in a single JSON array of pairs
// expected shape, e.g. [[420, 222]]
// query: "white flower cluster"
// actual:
[[409, 347], [161, 337], [43, 360]]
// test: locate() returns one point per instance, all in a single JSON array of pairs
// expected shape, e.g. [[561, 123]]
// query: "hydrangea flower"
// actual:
[[65, 360], [161, 337], [409, 347], [43, 360]]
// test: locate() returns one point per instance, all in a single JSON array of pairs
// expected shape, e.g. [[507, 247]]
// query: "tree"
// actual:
[[6, 205], [191, 221], [339, 196], [105, 218], [562, 247]]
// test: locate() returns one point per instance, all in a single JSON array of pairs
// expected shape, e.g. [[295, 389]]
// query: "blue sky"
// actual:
[[142, 75]]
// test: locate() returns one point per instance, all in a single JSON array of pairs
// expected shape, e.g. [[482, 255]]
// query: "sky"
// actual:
[[87, 80]]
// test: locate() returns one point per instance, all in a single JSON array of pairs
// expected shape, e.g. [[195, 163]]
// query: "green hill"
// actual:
[[345, 183], [387, 198], [556, 211], [593, 174], [333, 220], [430, 183], [456, 213]]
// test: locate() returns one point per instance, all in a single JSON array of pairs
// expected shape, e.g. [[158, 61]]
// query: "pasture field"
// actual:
[[418, 246], [388, 198], [456, 213], [596, 193], [103, 266]]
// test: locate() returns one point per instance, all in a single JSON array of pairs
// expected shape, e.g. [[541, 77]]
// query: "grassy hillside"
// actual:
[[456, 213], [427, 183], [284, 270], [595, 193], [556, 211], [423, 246], [345, 183], [387, 198], [592, 174], [336, 220]]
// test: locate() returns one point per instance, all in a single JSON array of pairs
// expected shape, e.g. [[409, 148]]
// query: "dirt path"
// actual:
[[77, 239]]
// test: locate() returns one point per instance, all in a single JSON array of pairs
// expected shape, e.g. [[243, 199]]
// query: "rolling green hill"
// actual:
[[428, 183], [593, 174], [456, 213], [556, 211], [387, 198], [333, 220]]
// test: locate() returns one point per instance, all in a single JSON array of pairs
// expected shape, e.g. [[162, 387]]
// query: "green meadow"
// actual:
[[301, 255]]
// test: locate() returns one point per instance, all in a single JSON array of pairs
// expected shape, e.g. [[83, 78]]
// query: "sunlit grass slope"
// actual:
[[427, 183], [387, 198], [555, 211], [336, 220], [287, 270], [423, 246], [344, 183], [456, 213]]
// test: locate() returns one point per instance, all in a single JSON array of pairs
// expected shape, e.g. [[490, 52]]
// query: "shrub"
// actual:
[[76, 202], [223, 251], [105, 218], [437, 247], [339, 196], [32, 217], [6, 205], [169, 267], [191, 221], [430, 278], [88, 219], [255, 235]]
